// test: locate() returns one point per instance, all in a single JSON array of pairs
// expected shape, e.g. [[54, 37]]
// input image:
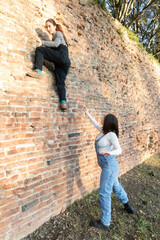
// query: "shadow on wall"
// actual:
[[49, 65], [73, 168], [67, 163], [44, 37]]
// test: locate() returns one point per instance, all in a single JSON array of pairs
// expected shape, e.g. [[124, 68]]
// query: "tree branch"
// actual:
[[140, 13]]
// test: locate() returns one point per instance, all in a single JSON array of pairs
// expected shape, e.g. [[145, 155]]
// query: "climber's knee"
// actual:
[[40, 49]]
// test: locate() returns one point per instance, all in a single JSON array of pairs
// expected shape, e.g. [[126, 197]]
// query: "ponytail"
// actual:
[[58, 28]]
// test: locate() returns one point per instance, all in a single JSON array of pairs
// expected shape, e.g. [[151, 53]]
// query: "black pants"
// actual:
[[59, 56]]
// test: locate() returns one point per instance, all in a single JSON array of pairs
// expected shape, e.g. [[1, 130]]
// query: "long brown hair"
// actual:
[[58, 28], [110, 124]]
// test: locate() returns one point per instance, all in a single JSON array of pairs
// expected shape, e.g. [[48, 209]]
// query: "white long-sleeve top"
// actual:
[[109, 142]]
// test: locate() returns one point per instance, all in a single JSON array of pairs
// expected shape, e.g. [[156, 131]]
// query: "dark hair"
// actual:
[[110, 124], [58, 27]]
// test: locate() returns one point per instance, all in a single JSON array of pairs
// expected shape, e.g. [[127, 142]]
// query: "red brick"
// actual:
[[34, 130], [9, 213]]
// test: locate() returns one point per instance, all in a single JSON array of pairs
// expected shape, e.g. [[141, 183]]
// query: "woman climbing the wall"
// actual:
[[107, 147], [55, 51]]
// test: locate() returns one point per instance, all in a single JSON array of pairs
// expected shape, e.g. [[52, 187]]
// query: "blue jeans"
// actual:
[[108, 182]]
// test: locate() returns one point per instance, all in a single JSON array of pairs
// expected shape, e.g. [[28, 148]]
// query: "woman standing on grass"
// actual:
[[107, 147], [55, 51]]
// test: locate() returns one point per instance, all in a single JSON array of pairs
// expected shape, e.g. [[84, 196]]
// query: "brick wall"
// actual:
[[47, 156]]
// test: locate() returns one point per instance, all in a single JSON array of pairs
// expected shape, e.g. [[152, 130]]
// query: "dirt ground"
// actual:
[[142, 185]]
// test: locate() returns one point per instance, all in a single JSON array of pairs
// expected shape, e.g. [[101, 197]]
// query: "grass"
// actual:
[[142, 185], [94, 2], [154, 59]]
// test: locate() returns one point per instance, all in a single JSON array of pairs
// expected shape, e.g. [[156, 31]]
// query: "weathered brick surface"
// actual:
[[47, 156]]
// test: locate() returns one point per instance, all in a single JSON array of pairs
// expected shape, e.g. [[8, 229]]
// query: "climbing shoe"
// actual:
[[34, 74], [128, 208], [64, 106], [98, 224]]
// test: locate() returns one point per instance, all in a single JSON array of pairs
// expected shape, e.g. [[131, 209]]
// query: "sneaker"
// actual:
[[98, 224], [128, 208], [34, 74], [64, 106]]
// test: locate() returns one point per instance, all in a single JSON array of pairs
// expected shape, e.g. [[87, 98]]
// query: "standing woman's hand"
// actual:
[[104, 153], [85, 109], [38, 42]]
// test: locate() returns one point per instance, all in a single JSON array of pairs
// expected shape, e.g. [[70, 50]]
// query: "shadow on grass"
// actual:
[[142, 185]]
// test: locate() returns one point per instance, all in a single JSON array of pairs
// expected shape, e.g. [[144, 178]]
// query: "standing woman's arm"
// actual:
[[95, 123]]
